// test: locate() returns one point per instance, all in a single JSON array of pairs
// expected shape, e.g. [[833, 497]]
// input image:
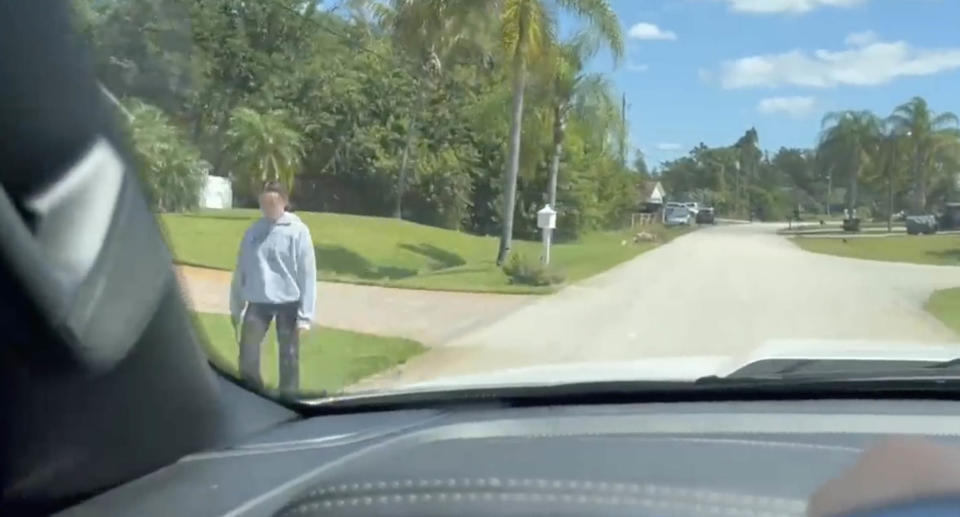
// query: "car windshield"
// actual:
[[370, 196]]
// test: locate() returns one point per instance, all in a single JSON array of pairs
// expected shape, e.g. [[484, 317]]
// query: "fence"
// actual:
[[644, 219]]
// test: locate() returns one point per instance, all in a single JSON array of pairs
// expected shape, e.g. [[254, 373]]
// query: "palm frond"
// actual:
[[264, 147], [602, 18], [945, 120]]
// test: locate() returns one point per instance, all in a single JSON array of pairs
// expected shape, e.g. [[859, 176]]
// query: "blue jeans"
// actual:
[[256, 322]]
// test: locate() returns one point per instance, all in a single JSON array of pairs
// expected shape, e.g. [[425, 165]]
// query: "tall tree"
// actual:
[[568, 84], [350, 84], [264, 147], [889, 164], [428, 32], [848, 139], [927, 132], [748, 164], [527, 33]]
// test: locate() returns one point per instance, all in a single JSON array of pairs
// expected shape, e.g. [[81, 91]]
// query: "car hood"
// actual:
[[691, 368]]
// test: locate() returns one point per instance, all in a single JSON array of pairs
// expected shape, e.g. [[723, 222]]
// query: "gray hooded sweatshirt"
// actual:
[[276, 264]]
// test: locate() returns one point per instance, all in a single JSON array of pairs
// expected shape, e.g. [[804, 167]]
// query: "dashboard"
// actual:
[[669, 459]]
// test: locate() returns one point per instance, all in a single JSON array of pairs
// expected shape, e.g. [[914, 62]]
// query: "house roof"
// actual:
[[646, 188]]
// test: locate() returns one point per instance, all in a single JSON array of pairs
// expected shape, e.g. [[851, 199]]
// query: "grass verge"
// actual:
[[941, 250], [945, 305], [330, 359], [391, 252]]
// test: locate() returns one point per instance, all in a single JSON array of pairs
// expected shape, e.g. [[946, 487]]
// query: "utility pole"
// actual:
[[623, 132]]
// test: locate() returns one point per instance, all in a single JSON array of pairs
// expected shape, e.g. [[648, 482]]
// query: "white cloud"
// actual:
[[638, 67], [668, 146], [786, 6], [862, 63], [796, 107], [859, 39], [649, 31]]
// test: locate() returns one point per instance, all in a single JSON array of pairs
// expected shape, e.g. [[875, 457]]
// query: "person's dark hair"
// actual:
[[278, 188]]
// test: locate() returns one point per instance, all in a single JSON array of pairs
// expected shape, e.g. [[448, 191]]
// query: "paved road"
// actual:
[[717, 291]]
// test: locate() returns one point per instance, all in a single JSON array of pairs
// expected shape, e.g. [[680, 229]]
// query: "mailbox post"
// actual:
[[546, 221]]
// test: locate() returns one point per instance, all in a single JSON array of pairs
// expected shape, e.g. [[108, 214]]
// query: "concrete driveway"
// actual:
[[431, 317], [718, 291]]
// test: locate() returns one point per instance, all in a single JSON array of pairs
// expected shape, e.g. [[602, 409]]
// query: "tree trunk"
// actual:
[[853, 194], [405, 157], [919, 183], [220, 151], [512, 167], [402, 173], [737, 204], [890, 204], [219, 136], [829, 191], [554, 171], [558, 128], [922, 193], [891, 164]]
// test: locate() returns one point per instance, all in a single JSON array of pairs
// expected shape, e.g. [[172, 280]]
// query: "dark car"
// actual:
[[950, 218], [706, 216], [925, 224]]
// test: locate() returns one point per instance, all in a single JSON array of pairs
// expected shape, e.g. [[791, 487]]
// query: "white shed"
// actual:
[[217, 192]]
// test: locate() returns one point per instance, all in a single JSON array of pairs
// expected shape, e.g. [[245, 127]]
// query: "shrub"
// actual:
[[530, 272], [169, 166]]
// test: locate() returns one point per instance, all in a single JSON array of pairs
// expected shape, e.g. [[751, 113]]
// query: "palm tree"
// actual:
[[568, 87], [429, 31], [929, 132], [888, 157], [847, 142], [264, 148], [527, 29]]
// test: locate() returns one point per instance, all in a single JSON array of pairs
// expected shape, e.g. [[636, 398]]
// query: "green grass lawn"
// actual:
[[330, 359], [920, 249], [381, 251], [945, 305]]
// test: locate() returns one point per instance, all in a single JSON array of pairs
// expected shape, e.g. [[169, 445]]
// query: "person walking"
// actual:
[[275, 279]]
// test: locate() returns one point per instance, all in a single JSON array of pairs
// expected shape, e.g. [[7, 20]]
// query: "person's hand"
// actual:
[[235, 325], [302, 328], [896, 471]]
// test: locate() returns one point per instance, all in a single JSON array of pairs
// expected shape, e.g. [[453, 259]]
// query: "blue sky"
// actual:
[[707, 70]]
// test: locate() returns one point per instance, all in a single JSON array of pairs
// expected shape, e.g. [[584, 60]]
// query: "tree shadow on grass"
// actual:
[[341, 261], [952, 255], [442, 259], [458, 271]]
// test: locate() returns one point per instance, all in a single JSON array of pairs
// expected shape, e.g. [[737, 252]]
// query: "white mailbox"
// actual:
[[547, 218]]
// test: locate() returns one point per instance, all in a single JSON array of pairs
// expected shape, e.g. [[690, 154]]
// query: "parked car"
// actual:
[[677, 215], [706, 215], [950, 218], [851, 224], [925, 224]]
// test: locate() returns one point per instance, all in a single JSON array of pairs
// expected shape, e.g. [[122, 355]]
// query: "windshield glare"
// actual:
[[373, 195]]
